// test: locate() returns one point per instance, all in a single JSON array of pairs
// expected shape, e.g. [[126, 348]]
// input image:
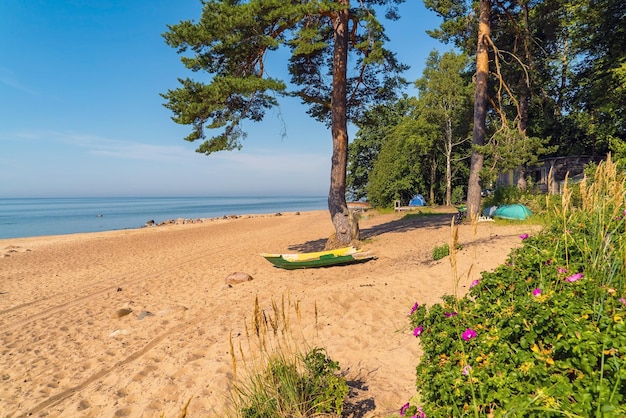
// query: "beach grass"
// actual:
[[277, 374]]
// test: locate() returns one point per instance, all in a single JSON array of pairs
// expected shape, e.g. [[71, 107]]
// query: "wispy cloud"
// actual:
[[128, 150], [270, 161], [8, 78], [259, 159], [98, 145]]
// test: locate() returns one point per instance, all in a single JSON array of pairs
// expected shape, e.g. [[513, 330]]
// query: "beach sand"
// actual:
[[137, 322]]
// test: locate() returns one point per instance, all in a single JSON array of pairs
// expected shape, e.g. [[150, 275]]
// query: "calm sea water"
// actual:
[[27, 217]]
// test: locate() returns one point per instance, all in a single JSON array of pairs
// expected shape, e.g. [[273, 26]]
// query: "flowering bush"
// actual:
[[544, 334]]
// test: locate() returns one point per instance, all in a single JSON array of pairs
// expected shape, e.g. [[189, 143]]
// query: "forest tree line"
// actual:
[[527, 78], [556, 87]]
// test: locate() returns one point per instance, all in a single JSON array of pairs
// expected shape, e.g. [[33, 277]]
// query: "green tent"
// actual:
[[515, 211]]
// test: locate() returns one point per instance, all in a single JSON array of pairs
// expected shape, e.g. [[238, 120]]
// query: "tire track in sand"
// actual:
[[111, 284], [60, 397], [72, 300]]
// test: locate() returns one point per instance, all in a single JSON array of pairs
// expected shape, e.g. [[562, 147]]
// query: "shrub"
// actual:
[[285, 380], [442, 251], [544, 334], [303, 385], [458, 195]]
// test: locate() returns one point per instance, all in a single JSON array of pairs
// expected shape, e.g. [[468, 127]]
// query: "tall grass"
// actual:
[[278, 374]]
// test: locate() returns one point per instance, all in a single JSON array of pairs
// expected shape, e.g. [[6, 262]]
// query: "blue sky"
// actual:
[[81, 115]]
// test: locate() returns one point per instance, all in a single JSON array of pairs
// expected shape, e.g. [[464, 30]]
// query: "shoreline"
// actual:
[[166, 223], [55, 216], [66, 353]]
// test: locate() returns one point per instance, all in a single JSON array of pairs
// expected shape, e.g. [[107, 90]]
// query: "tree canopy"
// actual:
[[549, 79], [416, 144], [554, 67], [231, 42]]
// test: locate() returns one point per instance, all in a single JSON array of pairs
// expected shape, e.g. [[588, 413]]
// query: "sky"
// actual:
[[81, 114]]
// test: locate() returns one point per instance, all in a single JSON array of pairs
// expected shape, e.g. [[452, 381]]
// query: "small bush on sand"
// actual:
[[442, 251], [544, 334], [281, 379]]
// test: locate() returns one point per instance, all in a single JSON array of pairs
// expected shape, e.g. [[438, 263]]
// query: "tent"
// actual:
[[515, 211], [418, 200], [490, 210]]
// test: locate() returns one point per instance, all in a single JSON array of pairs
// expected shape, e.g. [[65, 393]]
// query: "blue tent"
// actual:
[[418, 200], [490, 211], [515, 211]]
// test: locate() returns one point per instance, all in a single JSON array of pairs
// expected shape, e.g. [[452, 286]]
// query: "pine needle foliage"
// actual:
[[228, 50]]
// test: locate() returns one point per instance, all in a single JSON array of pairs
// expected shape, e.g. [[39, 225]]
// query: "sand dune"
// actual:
[[136, 322]]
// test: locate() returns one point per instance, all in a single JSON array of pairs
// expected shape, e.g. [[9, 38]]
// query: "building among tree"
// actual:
[[549, 174]]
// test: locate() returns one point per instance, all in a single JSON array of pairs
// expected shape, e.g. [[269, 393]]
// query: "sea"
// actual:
[[28, 217]]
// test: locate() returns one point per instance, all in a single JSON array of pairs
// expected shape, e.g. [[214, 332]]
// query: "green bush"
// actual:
[[294, 386], [442, 251], [458, 195], [282, 379], [544, 334]]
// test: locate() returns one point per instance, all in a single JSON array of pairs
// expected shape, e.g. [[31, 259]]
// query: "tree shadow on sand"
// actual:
[[358, 403], [405, 224]]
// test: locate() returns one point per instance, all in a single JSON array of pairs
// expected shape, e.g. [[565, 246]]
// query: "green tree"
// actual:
[[445, 93], [556, 76], [508, 60], [231, 42], [599, 85], [431, 128], [408, 161], [374, 127], [465, 26], [396, 174]]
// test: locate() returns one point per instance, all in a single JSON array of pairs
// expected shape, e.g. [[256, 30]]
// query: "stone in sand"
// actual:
[[122, 312], [143, 314], [238, 277]]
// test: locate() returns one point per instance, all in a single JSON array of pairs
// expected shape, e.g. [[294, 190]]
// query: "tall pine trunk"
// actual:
[[448, 148], [337, 206], [480, 107], [433, 179], [525, 91]]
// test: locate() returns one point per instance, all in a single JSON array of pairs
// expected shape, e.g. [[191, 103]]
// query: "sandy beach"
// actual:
[[134, 323]]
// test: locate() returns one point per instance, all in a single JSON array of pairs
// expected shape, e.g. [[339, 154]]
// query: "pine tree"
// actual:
[[231, 42]]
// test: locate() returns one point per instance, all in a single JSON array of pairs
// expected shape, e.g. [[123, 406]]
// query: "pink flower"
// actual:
[[561, 270], [536, 292], [466, 370], [449, 314], [414, 308], [404, 408], [574, 277], [418, 331], [468, 334], [524, 236], [474, 283], [623, 301], [420, 413]]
